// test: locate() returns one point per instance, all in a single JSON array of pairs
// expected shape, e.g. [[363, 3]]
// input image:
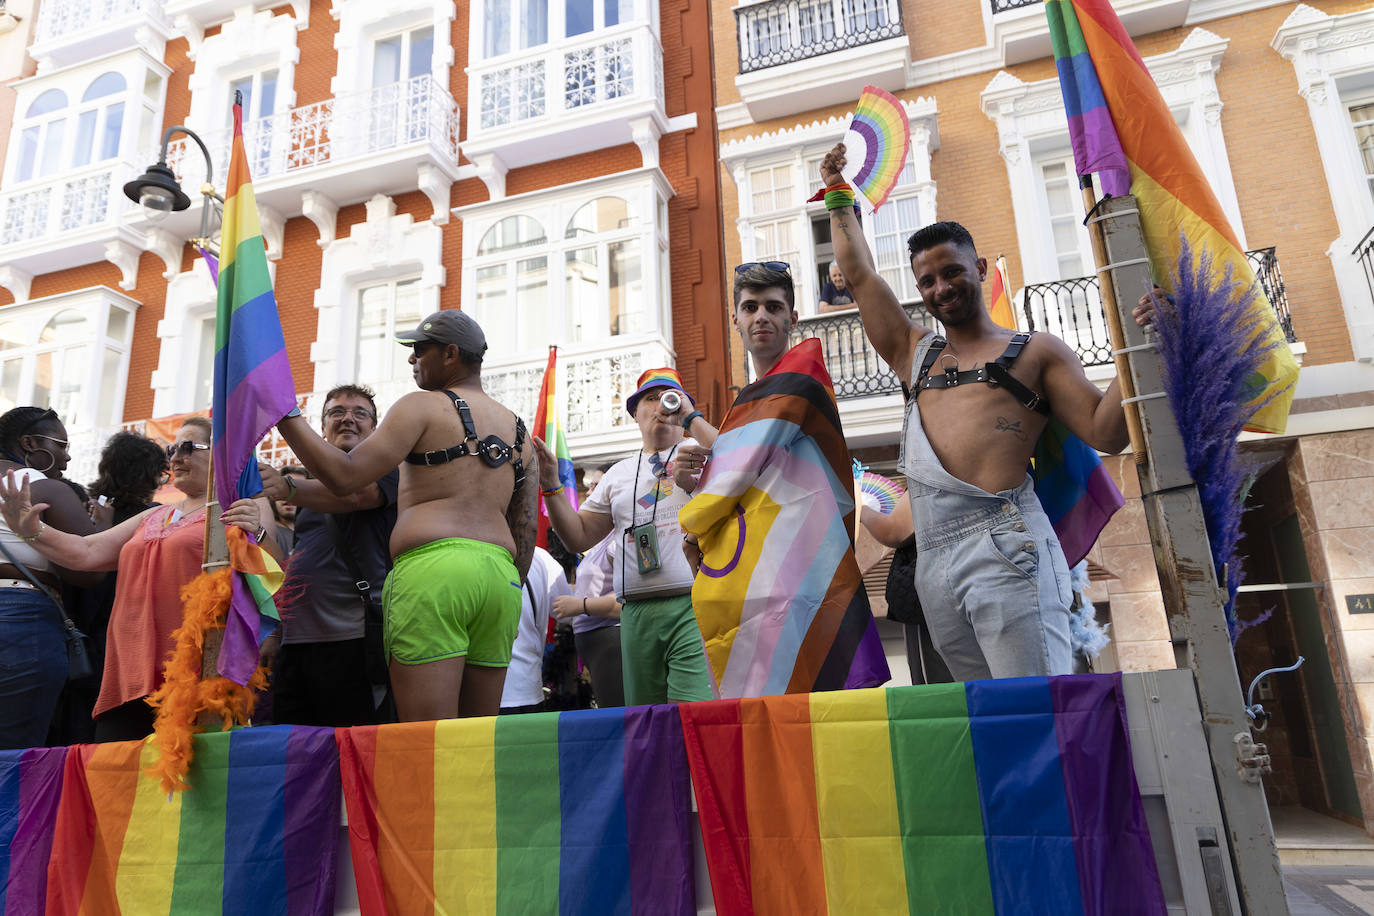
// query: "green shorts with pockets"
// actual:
[[451, 598]]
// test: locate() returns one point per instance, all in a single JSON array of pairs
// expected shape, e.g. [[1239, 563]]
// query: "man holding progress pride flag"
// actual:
[[991, 573]]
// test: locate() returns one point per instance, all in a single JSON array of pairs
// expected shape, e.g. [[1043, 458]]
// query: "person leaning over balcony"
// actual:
[[990, 573], [156, 552], [33, 653], [465, 525], [836, 295], [660, 646]]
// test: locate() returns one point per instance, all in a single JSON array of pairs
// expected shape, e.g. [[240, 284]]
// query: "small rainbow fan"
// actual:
[[887, 493], [876, 142]]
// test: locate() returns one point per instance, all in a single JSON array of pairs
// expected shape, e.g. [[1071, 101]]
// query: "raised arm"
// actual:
[[579, 529], [311, 494], [98, 551], [890, 530], [1094, 416], [343, 472], [889, 328]]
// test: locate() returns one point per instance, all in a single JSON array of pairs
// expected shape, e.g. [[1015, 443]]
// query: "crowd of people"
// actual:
[[415, 589]]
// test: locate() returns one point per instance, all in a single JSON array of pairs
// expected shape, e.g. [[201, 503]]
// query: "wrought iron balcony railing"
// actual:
[[854, 366], [1001, 6], [782, 31], [1364, 254], [58, 18], [345, 127], [1072, 309]]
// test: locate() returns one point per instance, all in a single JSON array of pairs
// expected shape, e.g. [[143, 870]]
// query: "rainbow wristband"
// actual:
[[839, 198]]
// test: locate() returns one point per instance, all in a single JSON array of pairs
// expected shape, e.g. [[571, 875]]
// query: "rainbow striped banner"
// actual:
[[547, 421], [257, 833], [1074, 488], [30, 783], [253, 391], [1122, 128], [1008, 797], [580, 812]]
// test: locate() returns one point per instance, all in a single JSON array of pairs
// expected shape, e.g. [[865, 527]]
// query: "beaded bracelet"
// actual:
[[553, 492]]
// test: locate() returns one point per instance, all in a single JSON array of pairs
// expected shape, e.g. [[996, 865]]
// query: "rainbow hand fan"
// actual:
[[876, 143], [885, 494]]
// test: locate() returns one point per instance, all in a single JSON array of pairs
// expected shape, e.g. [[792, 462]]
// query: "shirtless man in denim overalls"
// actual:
[[990, 572]]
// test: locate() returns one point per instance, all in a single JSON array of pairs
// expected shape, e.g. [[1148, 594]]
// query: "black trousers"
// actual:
[[323, 683]]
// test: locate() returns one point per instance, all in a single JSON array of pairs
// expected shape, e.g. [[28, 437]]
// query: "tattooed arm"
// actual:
[[889, 328], [522, 515]]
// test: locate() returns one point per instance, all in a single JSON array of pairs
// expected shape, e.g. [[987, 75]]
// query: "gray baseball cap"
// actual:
[[448, 326]]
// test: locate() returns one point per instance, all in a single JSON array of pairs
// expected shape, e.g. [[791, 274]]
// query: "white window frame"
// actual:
[[363, 22], [643, 12], [250, 44], [100, 106], [397, 376], [1359, 100]]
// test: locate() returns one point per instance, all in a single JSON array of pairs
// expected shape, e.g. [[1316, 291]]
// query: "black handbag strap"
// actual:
[[14, 561], [345, 549]]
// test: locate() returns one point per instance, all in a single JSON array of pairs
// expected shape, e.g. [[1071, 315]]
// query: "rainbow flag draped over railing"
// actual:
[[30, 784], [1008, 797], [257, 832], [548, 426], [1074, 488], [1122, 129], [253, 391], [579, 812], [779, 597]]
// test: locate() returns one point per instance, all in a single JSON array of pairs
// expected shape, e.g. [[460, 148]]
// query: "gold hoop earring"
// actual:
[[51, 463]]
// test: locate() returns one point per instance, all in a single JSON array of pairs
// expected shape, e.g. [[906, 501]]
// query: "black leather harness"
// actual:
[[493, 450], [996, 374]]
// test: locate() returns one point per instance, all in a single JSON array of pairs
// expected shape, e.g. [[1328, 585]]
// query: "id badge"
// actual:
[[645, 538]]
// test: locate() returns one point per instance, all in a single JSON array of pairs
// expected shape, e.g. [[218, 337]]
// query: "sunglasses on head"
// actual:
[[185, 448], [771, 265]]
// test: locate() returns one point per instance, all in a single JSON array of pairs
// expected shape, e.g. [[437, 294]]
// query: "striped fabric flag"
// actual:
[[253, 391], [1074, 489], [549, 427], [1122, 128], [30, 784], [1009, 797], [779, 597], [999, 303], [257, 833], [574, 812]]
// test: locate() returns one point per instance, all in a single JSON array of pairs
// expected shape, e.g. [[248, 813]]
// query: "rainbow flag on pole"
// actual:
[[253, 391], [1122, 129], [30, 783], [548, 426], [258, 831], [1009, 797], [576, 812]]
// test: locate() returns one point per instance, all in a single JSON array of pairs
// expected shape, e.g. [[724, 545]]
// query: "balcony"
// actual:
[[1072, 309], [71, 31], [796, 55], [1021, 33], [61, 221], [568, 98], [1364, 256], [347, 148]]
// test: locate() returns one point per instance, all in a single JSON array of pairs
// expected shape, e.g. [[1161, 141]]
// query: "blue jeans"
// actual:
[[33, 666]]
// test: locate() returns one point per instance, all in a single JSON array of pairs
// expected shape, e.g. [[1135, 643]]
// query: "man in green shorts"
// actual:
[[465, 526], [662, 656]]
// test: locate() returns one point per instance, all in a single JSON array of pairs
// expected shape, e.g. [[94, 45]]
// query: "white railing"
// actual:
[[561, 79], [89, 197], [58, 18], [783, 31], [394, 116]]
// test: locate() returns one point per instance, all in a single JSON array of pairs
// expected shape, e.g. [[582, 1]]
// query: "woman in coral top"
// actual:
[[156, 553]]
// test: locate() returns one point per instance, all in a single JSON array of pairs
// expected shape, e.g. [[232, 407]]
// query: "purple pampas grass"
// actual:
[[1211, 353]]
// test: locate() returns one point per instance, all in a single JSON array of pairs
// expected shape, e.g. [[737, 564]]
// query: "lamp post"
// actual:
[[158, 191]]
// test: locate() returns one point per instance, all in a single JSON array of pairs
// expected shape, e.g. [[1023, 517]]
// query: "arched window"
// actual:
[[603, 280], [40, 141], [61, 362], [513, 286], [99, 121]]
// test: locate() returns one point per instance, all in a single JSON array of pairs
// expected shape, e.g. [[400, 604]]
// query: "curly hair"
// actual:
[[19, 422], [130, 471]]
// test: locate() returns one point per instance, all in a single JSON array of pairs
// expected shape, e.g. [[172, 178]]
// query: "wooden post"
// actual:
[[1193, 598], [214, 557]]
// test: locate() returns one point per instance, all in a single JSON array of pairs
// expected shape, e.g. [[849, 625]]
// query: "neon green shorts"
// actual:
[[451, 598]]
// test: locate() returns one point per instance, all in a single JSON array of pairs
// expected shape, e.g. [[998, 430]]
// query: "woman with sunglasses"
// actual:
[[156, 553], [33, 649]]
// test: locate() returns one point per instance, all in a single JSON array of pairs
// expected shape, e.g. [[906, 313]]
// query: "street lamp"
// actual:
[[158, 191]]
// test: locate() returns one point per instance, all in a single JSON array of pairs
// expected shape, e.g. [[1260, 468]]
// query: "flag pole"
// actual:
[[1114, 326]]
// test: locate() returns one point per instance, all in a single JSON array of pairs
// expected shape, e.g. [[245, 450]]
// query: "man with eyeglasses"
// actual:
[[769, 530], [331, 670]]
